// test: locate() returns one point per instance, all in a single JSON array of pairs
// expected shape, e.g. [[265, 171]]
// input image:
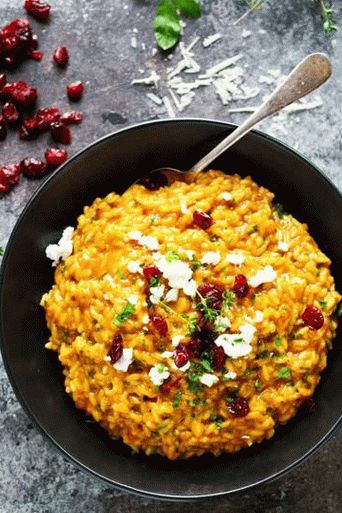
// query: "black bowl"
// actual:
[[113, 163]]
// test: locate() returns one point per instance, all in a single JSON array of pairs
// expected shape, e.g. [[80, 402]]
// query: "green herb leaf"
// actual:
[[172, 256], [154, 282], [217, 419], [177, 399], [279, 209], [1, 250], [167, 27], [192, 326], [339, 310], [190, 8], [284, 373], [277, 341], [194, 375], [124, 314], [120, 276], [228, 298], [257, 384], [327, 15]]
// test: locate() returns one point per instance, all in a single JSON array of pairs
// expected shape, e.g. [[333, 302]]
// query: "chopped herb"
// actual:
[[253, 296], [162, 426], [339, 310], [154, 282], [195, 265], [161, 347], [228, 298], [125, 314], [120, 276], [177, 399], [206, 361], [192, 326], [217, 419], [263, 354], [277, 341], [279, 209], [143, 343], [249, 373], [254, 229], [284, 373], [1, 250], [323, 303], [257, 384], [231, 395], [194, 375], [172, 256], [209, 314], [197, 402], [327, 15], [161, 368]]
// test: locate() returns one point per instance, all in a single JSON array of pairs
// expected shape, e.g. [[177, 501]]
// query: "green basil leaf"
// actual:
[[167, 27], [190, 8]]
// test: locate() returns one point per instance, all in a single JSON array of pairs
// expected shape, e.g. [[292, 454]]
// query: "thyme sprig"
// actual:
[[327, 15]]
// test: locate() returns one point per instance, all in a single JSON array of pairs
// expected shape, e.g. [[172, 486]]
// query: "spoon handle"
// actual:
[[309, 74]]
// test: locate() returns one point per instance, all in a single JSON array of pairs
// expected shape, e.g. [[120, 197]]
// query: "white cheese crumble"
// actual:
[[177, 273], [265, 275], [183, 368], [134, 267], [283, 246], [235, 258], [156, 294], [211, 257], [183, 207], [190, 288], [190, 254], [221, 324], [63, 248], [158, 374], [146, 319], [208, 379], [259, 316], [172, 295], [176, 340], [125, 360], [167, 354], [144, 240], [230, 375], [236, 345], [226, 196]]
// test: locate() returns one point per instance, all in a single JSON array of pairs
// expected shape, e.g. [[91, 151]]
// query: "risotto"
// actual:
[[190, 319]]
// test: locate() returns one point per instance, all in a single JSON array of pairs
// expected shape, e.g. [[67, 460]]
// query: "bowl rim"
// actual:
[[127, 488]]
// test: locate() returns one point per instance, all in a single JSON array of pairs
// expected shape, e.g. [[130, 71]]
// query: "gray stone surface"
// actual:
[[34, 478]]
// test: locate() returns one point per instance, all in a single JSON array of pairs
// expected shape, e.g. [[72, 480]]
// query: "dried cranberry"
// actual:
[[47, 116], [3, 129], [153, 181], [202, 219], [9, 176], [150, 271], [16, 42], [29, 129], [55, 156], [241, 287], [11, 113], [239, 407], [181, 355], [7, 90], [218, 357], [116, 349], [24, 94], [195, 347], [3, 79], [60, 132], [61, 56], [38, 9], [313, 317], [37, 56], [75, 91], [33, 168], [160, 324], [213, 293], [73, 117], [170, 384]]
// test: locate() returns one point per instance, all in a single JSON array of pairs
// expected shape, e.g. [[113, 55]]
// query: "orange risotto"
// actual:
[[192, 318]]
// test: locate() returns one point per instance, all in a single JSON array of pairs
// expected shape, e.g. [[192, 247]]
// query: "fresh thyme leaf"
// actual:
[[120, 276], [257, 384], [167, 27], [190, 8], [1, 250], [327, 15], [124, 314], [323, 303], [177, 399], [228, 298], [192, 326], [279, 209], [154, 282], [194, 375], [277, 341], [206, 361], [217, 419], [209, 314], [284, 373], [172, 256]]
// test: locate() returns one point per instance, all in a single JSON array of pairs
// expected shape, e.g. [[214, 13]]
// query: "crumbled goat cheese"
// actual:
[[236, 345], [158, 374], [259, 316], [221, 324], [134, 267], [230, 375], [182, 369], [177, 273], [235, 258], [125, 360], [183, 207], [190, 288], [211, 257], [176, 340], [190, 254], [208, 379], [226, 196], [144, 240], [63, 248], [265, 275], [167, 354], [146, 319], [283, 246], [172, 295], [156, 294], [133, 300], [209, 40]]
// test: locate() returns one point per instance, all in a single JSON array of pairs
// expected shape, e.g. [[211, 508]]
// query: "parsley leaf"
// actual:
[[177, 399], [124, 314], [284, 373]]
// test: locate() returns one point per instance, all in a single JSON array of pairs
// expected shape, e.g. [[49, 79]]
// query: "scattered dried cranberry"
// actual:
[[195, 347], [116, 349], [6, 91], [29, 129], [150, 271], [181, 355], [202, 219], [239, 407], [213, 293], [38, 9], [16, 42], [153, 181], [55, 156], [61, 56], [37, 56], [170, 384], [11, 113], [313, 317], [72, 117], [241, 287], [9, 176], [24, 94], [33, 168], [47, 116], [218, 357], [3, 129], [60, 132], [160, 324], [75, 91]]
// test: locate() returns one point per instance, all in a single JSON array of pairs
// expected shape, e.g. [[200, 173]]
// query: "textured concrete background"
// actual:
[[34, 478]]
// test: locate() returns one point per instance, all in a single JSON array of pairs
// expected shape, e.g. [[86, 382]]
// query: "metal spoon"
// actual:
[[309, 74]]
